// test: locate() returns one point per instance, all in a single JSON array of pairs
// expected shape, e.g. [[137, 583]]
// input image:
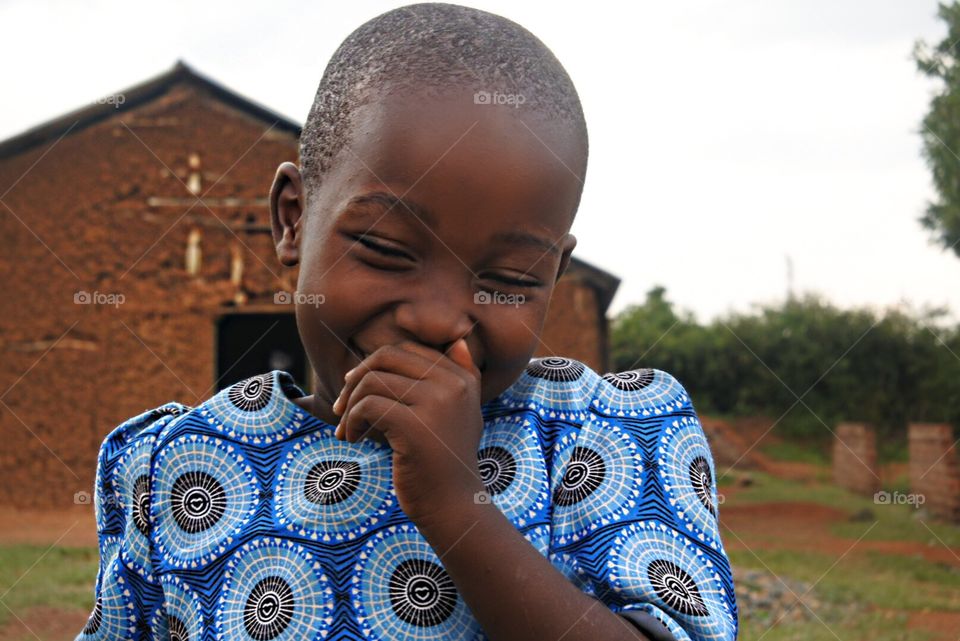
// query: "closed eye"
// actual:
[[515, 282], [377, 247]]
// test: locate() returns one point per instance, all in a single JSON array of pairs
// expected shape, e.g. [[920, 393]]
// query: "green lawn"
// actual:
[[34, 575]]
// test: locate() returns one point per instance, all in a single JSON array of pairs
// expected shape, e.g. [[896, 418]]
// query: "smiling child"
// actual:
[[440, 483]]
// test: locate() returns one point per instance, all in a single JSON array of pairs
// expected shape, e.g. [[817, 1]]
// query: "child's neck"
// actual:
[[319, 408]]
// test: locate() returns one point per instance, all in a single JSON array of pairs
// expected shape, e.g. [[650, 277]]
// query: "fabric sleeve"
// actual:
[[128, 597], [635, 518]]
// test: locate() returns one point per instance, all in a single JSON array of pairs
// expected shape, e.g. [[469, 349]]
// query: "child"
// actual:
[[440, 484]]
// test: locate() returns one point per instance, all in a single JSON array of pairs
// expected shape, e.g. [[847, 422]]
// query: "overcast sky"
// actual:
[[724, 136]]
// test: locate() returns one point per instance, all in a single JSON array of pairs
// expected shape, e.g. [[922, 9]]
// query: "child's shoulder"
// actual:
[[566, 385], [264, 395]]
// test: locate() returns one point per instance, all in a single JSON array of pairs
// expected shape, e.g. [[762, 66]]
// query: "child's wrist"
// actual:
[[450, 511]]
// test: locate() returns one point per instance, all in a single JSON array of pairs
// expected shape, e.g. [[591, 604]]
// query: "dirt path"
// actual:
[[806, 526], [72, 527], [43, 623]]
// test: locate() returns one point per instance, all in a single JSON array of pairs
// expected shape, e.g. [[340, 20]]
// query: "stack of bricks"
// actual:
[[934, 470], [855, 458]]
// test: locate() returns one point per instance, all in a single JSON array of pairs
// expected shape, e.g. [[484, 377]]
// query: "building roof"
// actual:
[[137, 95], [603, 282]]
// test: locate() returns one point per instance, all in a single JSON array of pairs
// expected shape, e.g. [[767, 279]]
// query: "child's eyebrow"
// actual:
[[407, 208], [394, 204]]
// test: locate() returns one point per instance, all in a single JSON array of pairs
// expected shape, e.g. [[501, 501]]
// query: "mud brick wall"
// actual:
[[730, 448], [571, 328], [934, 468], [855, 458], [110, 204]]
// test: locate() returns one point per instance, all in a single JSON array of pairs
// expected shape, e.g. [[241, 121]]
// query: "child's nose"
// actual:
[[437, 322]]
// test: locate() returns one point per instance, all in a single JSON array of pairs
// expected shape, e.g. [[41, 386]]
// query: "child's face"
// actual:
[[493, 198]]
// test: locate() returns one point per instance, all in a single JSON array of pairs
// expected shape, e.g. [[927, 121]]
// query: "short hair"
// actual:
[[439, 46]]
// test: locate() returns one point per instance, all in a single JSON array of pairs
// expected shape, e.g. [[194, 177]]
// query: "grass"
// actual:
[[894, 522], [769, 489], [34, 575], [835, 623], [864, 594], [796, 452], [873, 579]]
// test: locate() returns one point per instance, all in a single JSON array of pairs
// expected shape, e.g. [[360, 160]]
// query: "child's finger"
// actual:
[[377, 383], [407, 359], [371, 413]]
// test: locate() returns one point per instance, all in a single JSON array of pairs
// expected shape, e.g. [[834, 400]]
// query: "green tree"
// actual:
[[941, 129]]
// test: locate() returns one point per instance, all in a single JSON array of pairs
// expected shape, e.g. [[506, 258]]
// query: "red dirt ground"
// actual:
[[805, 526]]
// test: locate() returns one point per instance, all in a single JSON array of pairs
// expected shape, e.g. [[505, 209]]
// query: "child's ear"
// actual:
[[286, 213], [566, 246]]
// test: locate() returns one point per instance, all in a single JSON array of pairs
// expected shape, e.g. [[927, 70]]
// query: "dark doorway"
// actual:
[[251, 344]]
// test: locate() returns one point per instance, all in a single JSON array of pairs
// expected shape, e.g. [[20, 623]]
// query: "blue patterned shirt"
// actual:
[[245, 519]]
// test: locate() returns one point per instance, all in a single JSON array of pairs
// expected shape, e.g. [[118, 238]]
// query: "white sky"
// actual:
[[724, 136]]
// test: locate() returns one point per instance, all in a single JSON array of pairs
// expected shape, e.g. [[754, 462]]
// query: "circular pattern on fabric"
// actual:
[[269, 608], [584, 473], [555, 368], [255, 410], [514, 474], [688, 477], [113, 615], [631, 381], [422, 593], [556, 387], [141, 504], [641, 392], [131, 493], [702, 480], [402, 591], [274, 589], [177, 629], [497, 467], [181, 617], [252, 394], [205, 492], [199, 501], [331, 490], [332, 482], [657, 564], [596, 478]]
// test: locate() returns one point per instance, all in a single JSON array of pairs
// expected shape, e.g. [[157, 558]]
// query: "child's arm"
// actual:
[[127, 596]]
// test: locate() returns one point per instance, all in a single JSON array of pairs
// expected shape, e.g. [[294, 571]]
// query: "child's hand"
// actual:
[[427, 406]]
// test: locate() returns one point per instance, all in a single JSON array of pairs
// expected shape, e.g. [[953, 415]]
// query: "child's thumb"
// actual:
[[460, 354]]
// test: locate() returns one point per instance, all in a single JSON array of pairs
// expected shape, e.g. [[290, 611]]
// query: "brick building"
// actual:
[[137, 266]]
